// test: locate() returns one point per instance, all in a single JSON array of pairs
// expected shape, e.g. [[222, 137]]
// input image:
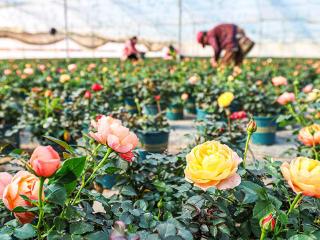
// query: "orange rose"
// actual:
[[48, 93], [310, 135], [303, 176], [279, 81], [45, 161], [23, 183]]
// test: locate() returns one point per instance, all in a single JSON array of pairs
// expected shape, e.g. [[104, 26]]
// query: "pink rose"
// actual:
[[42, 67], [279, 81], [28, 71], [285, 98], [308, 88], [91, 66], [109, 131], [5, 179], [238, 115], [193, 79], [72, 67], [87, 94], [7, 72], [23, 183], [184, 96], [45, 161]]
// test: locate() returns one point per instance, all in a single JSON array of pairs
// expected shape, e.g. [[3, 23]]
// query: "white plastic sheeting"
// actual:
[[282, 28]]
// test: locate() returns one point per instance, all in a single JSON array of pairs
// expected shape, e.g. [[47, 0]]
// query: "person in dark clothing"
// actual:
[[227, 37]]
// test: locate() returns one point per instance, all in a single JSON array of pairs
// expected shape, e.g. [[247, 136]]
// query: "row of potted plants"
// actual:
[[58, 97], [208, 191]]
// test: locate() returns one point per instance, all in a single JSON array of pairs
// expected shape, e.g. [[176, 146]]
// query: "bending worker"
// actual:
[[130, 51], [227, 37]]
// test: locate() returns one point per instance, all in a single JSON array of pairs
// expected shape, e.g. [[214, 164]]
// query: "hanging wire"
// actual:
[[66, 28], [180, 28]]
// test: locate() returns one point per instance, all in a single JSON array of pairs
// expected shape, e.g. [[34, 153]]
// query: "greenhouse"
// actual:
[[159, 120]]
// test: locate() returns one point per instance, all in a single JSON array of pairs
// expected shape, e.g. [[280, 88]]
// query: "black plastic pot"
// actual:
[[155, 142]]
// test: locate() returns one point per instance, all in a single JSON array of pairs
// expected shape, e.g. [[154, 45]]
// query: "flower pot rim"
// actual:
[[264, 117], [153, 132]]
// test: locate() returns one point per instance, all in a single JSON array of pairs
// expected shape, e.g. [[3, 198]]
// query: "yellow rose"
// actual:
[[213, 164], [64, 78], [312, 96], [303, 176], [230, 78], [225, 99]]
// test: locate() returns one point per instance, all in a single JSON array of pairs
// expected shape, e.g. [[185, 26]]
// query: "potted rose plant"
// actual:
[[261, 103]]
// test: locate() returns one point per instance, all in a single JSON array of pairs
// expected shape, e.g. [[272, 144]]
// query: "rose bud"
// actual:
[[45, 161], [96, 87], [127, 156], [119, 231], [268, 222], [87, 94], [251, 127], [184, 96], [66, 136], [48, 93], [157, 97]]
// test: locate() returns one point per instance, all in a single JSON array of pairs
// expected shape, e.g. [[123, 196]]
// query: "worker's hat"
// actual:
[[200, 36]]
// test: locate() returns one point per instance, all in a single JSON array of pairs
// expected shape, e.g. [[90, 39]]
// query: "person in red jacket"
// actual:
[[227, 37], [130, 51]]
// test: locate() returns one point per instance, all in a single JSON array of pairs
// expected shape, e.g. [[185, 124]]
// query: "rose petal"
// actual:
[[230, 182]]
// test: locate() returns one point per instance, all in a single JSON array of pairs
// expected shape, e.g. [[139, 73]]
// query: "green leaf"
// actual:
[[80, 228], [4, 236], [61, 143], [56, 193], [128, 191], [27, 231], [166, 229], [12, 223], [196, 201], [69, 172], [59, 223], [20, 209], [261, 209], [302, 237], [251, 191], [161, 186], [141, 204], [283, 218], [97, 235]]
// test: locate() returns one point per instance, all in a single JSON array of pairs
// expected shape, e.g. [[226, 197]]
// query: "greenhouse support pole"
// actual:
[[66, 29], [180, 28]]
